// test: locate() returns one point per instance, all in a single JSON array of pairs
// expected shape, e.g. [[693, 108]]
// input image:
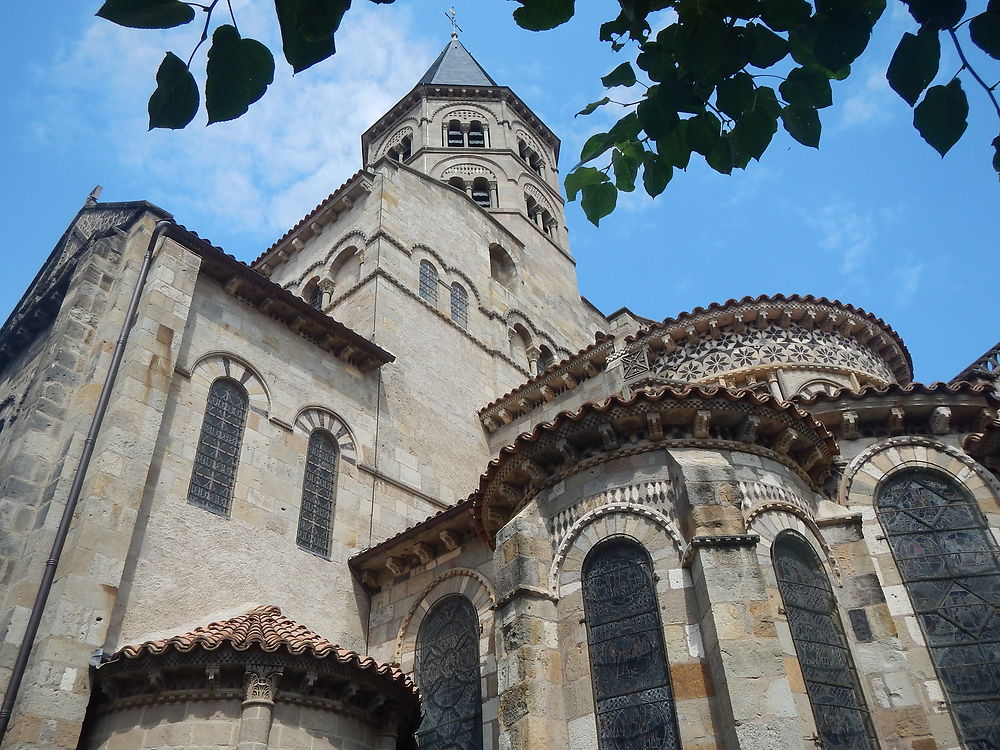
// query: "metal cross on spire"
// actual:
[[455, 28]]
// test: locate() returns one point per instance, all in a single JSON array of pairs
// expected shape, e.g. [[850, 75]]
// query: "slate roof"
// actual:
[[266, 628], [456, 66]]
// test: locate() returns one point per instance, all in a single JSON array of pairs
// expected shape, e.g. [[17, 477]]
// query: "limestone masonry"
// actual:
[[395, 484]]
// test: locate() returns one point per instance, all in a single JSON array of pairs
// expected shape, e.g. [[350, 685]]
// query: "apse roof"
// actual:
[[456, 66]]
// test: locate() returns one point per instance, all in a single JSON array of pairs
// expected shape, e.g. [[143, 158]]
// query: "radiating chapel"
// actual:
[[396, 484]]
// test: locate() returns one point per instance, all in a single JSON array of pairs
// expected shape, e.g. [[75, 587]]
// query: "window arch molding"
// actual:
[[650, 528], [880, 461], [213, 365], [771, 520], [462, 581], [312, 418]]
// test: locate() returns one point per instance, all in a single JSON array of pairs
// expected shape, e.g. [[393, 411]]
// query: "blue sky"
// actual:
[[875, 217]]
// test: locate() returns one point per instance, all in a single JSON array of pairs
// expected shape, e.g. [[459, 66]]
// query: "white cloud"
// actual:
[[869, 104], [908, 276], [845, 232], [264, 170]]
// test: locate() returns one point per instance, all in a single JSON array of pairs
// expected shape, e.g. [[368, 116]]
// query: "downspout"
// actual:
[[48, 575]]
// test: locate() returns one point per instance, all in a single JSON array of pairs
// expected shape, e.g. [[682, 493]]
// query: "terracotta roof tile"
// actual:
[[894, 389], [266, 628]]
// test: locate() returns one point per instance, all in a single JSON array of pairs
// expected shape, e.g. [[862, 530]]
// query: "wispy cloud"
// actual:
[[263, 171], [850, 234]]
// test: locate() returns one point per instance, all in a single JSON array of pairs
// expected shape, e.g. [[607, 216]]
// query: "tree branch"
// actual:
[[972, 72]]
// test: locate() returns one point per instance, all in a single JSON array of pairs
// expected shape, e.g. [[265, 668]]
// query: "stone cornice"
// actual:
[[668, 418], [547, 386]]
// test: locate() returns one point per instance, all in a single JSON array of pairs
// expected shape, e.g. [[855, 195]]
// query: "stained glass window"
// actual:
[[428, 282], [628, 660], [459, 305], [838, 706], [318, 488], [951, 567], [447, 669], [218, 451]]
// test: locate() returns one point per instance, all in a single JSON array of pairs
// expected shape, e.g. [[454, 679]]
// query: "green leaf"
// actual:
[[753, 133], [319, 19], [174, 103], [985, 31], [700, 48], [841, 38], [941, 117], [767, 48], [658, 118], [300, 52], [735, 94], [703, 133], [539, 15], [936, 14], [782, 15], [914, 64], [239, 72], [623, 75], [802, 123], [147, 14], [807, 86], [625, 163], [580, 178], [592, 107], [996, 154], [598, 201], [723, 157], [596, 145], [656, 173], [673, 148]]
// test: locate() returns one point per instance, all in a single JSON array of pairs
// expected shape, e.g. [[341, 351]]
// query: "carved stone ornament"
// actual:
[[261, 684]]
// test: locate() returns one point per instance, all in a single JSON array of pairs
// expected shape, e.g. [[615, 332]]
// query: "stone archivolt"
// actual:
[[702, 417]]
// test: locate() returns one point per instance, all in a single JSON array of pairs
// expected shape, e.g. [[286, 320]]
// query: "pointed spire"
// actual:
[[455, 66]]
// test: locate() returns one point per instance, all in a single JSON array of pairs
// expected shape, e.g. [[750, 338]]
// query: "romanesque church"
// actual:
[[396, 484]]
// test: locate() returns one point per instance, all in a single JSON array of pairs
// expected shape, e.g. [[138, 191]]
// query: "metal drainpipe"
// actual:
[[45, 587]]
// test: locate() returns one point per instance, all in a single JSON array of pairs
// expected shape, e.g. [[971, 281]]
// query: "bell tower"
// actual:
[[459, 126]]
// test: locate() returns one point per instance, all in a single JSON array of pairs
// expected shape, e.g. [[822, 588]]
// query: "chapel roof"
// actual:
[[267, 628], [456, 66]]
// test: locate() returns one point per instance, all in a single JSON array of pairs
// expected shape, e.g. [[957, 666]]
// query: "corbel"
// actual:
[[849, 424], [423, 552], [702, 423], [783, 443], [449, 539], [609, 438], [654, 425], [895, 420], [941, 420]]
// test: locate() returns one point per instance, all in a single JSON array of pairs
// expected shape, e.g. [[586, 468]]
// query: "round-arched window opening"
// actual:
[[481, 192], [502, 266], [457, 182], [477, 137], [456, 139]]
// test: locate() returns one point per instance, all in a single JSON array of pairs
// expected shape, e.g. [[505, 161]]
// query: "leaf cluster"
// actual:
[[702, 88], [238, 70]]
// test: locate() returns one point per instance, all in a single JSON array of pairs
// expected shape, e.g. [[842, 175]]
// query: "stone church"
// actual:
[[396, 484]]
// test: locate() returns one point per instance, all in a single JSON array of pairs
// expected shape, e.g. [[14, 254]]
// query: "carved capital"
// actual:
[[261, 684]]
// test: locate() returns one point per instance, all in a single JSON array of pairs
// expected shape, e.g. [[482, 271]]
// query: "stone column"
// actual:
[[529, 664], [258, 704], [756, 708]]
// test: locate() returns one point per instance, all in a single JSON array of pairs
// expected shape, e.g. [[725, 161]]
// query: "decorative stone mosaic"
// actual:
[[771, 346]]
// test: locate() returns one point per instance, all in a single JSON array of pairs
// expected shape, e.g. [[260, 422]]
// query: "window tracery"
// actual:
[[950, 565], [447, 671], [318, 489], [628, 660], [218, 451], [838, 705], [428, 282]]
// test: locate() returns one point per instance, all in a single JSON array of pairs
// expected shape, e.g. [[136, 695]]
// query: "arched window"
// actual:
[[218, 451], [950, 565], [457, 182], [460, 305], [502, 265], [481, 191], [428, 282], [318, 488], [628, 660], [456, 139], [316, 296], [477, 138], [530, 207], [546, 222], [831, 682], [535, 162], [405, 148], [545, 358], [447, 671]]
